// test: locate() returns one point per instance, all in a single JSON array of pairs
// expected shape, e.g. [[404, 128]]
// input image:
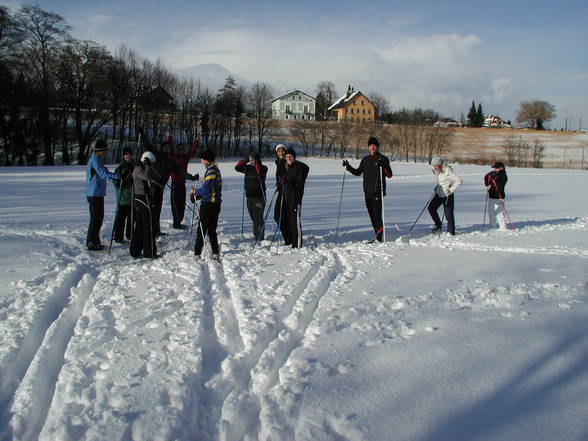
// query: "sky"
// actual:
[[439, 55]]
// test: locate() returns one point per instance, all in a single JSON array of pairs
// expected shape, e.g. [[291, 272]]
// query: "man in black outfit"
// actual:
[[279, 212], [373, 167], [296, 173]]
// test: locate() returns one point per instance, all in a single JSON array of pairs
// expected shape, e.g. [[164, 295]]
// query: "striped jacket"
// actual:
[[211, 186]]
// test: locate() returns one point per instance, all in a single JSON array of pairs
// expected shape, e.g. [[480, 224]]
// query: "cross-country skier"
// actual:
[[373, 166], [495, 182], [178, 186], [96, 176], [296, 173], [255, 173], [143, 239], [447, 183], [210, 207], [279, 212], [124, 195]]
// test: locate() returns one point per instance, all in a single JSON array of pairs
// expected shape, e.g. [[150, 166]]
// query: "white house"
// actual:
[[295, 105]]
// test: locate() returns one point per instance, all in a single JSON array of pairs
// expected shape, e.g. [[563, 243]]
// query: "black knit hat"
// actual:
[[208, 155], [498, 165], [373, 140], [291, 151], [100, 146], [255, 155]]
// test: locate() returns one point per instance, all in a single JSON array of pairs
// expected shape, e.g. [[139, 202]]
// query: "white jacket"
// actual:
[[447, 180]]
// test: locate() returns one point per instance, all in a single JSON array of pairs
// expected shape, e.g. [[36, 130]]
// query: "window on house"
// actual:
[[364, 111], [305, 109]]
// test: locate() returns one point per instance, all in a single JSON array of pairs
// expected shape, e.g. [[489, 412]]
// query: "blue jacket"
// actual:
[[212, 185], [96, 176]]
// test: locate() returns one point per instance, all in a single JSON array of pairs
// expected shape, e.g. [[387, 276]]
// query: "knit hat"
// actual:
[[291, 151], [498, 165], [100, 146], [255, 156], [373, 141], [127, 150], [436, 160], [280, 146], [148, 155], [208, 155]]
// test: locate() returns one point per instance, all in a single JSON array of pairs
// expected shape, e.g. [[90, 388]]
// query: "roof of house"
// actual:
[[347, 98], [293, 93]]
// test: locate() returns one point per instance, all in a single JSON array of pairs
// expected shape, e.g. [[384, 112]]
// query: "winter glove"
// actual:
[[146, 161], [281, 182], [194, 177], [345, 163]]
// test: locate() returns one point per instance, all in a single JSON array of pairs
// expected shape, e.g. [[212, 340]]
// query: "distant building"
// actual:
[[447, 122], [496, 122], [295, 105], [155, 98], [353, 106]]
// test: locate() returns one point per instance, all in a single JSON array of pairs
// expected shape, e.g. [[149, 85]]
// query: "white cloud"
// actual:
[[99, 20]]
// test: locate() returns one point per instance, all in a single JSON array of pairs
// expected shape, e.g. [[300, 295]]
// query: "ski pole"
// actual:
[[193, 213], [422, 211], [485, 208], [340, 204], [243, 211], [382, 196]]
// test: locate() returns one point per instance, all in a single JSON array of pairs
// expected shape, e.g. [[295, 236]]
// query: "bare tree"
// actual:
[[516, 151], [42, 35], [535, 113], [301, 130], [381, 103], [537, 154], [260, 104]]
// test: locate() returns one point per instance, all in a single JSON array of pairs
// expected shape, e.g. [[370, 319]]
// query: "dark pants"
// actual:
[[207, 224], [96, 205], [294, 223], [157, 202], [373, 204], [281, 220], [447, 203], [178, 202], [143, 241], [256, 207], [123, 218]]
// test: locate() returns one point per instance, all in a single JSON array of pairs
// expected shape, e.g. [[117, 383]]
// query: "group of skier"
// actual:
[[140, 185]]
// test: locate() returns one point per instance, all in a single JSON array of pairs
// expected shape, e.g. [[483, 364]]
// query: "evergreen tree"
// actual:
[[472, 115], [479, 116]]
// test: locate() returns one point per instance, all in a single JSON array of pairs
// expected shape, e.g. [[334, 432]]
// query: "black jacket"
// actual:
[[164, 167], [496, 181], [280, 173], [254, 178], [125, 170], [295, 180], [370, 168]]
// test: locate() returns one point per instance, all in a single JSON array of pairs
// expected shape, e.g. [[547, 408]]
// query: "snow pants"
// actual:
[[207, 224], [256, 207], [157, 203], [96, 206], [447, 203], [373, 204], [280, 216], [143, 240], [122, 223], [178, 202], [496, 214]]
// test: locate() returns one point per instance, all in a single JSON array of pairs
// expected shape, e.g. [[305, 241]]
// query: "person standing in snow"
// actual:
[[447, 183], [495, 181], [96, 176], [178, 186], [279, 212], [124, 190], [143, 238], [255, 173], [210, 207], [296, 173], [373, 167]]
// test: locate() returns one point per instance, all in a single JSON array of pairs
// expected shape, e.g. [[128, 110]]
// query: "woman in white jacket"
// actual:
[[447, 183]]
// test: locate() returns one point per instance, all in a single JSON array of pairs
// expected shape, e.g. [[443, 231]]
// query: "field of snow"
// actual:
[[483, 336]]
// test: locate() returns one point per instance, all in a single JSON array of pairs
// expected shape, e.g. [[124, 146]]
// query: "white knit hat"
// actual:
[[280, 146], [148, 155]]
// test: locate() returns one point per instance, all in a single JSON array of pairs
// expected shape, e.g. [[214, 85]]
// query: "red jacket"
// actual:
[[182, 161]]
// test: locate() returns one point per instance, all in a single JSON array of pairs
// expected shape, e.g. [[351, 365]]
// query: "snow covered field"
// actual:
[[479, 337]]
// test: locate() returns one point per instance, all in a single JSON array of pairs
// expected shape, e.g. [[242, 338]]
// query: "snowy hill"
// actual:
[[482, 336], [212, 75]]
